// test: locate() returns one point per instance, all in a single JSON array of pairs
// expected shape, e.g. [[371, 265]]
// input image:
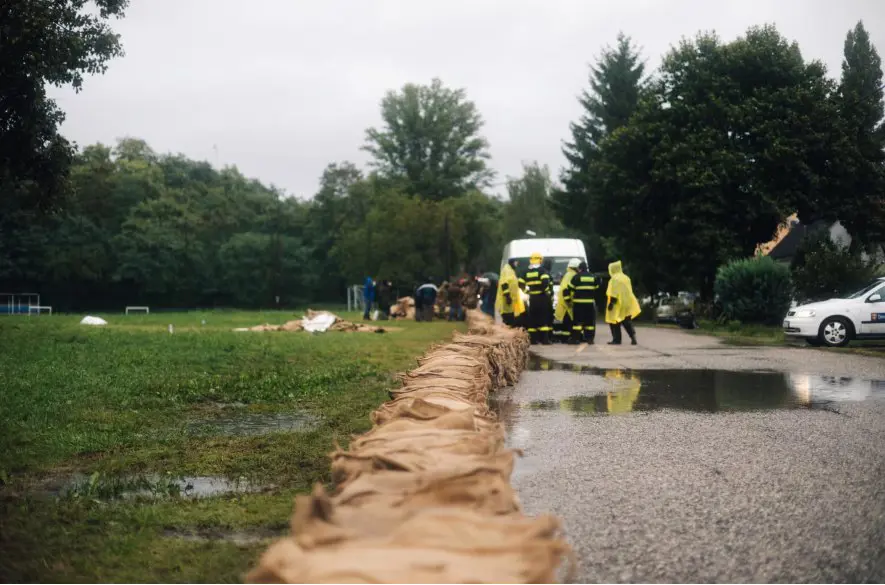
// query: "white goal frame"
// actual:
[[19, 303], [38, 309], [146, 310]]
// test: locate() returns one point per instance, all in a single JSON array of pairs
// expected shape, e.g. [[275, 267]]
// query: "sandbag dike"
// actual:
[[425, 496]]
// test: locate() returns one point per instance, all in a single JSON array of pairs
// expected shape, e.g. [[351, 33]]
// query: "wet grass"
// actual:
[[119, 405], [764, 335]]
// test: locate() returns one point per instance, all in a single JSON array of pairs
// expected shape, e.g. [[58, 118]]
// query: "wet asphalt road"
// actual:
[[689, 461]]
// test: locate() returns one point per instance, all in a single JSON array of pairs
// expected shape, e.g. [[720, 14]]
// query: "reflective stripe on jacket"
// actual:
[[583, 288]]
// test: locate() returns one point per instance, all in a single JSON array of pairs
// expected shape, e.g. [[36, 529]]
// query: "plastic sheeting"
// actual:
[[90, 320]]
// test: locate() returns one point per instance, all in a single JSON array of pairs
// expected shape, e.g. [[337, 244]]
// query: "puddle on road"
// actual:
[[233, 423], [621, 391]]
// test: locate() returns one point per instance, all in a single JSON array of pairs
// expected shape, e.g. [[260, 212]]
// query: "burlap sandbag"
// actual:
[[431, 546], [413, 451], [460, 420], [435, 381], [424, 497], [447, 397], [480, 485], [418, 409]]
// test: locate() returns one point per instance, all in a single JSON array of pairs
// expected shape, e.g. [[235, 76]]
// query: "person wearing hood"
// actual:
[[564, 308], [539, 286], [622, 306], [508, 301]]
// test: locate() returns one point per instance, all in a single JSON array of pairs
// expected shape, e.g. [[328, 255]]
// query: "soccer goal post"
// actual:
[[145, 310], [37, 309]]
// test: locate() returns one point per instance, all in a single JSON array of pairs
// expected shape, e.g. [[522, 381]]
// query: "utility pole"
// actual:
[[448, 245]]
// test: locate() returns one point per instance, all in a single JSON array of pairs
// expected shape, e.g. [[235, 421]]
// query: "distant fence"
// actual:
[[18, 303], [355, 298]]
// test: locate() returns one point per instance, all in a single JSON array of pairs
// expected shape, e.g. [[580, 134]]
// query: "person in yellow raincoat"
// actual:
[[564, 311], [622, 306], [508, 301]]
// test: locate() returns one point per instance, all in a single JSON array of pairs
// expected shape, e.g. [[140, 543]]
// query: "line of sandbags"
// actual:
[[425, 496]]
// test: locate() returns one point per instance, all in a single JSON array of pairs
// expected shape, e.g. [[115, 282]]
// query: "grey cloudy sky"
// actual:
[[283, 87]]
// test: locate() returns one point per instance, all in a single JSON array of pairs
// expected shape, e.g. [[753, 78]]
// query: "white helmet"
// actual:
[[574, 263]]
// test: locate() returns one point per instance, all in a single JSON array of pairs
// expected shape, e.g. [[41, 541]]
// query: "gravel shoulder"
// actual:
[[769, 495]]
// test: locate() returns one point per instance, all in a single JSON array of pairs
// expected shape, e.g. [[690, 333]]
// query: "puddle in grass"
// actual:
[[245, 423], [113, 487]]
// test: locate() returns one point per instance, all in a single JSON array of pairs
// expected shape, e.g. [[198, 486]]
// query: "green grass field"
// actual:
[[103, 428]]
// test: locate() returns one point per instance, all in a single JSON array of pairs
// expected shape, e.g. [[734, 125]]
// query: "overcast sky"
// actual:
[[284, 87]]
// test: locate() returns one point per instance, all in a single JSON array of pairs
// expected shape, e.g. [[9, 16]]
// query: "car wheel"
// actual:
[[835, 332], [813, 341]]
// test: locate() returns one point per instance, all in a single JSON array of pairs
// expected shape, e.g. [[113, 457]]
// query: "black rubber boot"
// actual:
[[545, 338]]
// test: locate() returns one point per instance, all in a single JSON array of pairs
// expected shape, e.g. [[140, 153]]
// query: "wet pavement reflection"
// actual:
[[624, 391]]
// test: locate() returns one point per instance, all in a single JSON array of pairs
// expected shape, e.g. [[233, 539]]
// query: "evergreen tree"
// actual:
[[861, 194], [615, 89]]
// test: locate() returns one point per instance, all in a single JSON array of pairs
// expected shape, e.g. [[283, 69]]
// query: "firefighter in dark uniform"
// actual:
[[582, 292], [539, 286]]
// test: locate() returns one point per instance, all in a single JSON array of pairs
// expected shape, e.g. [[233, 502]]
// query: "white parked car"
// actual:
[[836, 322]]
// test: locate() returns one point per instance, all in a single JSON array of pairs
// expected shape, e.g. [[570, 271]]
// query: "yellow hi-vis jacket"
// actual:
[[509, 283], [621, 289], [563, 299]]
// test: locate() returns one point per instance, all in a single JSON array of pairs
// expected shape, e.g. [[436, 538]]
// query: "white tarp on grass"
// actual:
[[318, 322], [90, 320]]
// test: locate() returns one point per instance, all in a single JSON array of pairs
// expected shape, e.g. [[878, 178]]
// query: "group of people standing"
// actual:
[[575, 301]]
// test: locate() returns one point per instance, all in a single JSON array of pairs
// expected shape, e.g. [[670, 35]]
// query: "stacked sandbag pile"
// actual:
[[425, 496], [403, 309]]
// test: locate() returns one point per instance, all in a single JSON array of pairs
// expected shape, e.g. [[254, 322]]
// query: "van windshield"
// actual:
[[557, 269]]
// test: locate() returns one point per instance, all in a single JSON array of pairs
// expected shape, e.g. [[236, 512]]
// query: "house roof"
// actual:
[[787, 247]]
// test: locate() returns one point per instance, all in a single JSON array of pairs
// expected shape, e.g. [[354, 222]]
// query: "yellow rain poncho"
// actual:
[[561, 307], [621, 289], [508, 282]]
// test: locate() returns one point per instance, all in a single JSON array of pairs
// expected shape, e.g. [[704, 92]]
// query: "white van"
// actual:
[[558, 250]]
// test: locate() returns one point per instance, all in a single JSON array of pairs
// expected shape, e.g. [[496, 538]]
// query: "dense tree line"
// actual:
[[699, 163], [675, 171]]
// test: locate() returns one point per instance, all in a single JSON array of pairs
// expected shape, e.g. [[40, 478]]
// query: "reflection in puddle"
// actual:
[[235, 423], [699, 390]]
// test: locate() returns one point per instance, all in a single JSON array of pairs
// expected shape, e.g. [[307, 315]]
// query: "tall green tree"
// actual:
[[331, 208], [530, 206], [44, 42], [41, 42], [861, 193], [731, 139], [616, 83], [430, 141]]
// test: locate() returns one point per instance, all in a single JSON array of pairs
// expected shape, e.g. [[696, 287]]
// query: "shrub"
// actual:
[[823, 270], [755, 290]]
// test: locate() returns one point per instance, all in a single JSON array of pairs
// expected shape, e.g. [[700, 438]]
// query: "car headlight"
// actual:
[[804, 313]]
